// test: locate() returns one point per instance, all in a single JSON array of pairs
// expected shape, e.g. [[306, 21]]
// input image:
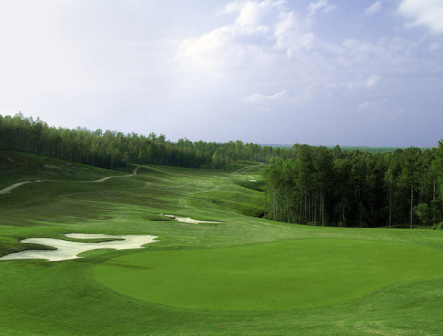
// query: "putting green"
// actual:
[[275, 276]]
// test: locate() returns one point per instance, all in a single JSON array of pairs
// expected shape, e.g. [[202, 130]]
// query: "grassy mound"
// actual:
[[277, 276]]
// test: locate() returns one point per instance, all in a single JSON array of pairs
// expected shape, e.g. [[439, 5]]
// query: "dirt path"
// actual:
[[244, 168], [134, 172], [7, 190]]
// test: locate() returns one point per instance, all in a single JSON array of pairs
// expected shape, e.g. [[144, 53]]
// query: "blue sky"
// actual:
[[327, 72]]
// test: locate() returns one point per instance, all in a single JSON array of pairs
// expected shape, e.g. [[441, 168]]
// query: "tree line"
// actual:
[[321, 186], [112, 149], [304, 184]]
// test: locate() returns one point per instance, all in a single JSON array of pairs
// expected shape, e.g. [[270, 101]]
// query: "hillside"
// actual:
[[21, 167], [211, 271]]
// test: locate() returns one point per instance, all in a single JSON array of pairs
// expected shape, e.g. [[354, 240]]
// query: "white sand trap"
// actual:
[[189, 220], [67, 250]]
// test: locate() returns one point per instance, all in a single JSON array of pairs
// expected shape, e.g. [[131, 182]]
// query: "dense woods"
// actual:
[[321, 186], [112, 149], [304, 184]]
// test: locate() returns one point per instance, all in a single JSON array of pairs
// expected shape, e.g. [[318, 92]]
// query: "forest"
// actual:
[[112, 149], [313, 185], [331, 187]]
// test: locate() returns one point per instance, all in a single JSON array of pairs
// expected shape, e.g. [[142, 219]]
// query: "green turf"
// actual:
[[43, 298], [276, 276]]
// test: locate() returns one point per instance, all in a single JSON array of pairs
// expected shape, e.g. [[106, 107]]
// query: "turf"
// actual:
[[275, 276], [390, 279]]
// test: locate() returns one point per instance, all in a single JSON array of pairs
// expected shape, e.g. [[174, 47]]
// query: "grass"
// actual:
[[268, 277], [390, 279]]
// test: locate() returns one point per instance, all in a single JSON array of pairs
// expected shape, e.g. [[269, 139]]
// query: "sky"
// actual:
[[322, 72]]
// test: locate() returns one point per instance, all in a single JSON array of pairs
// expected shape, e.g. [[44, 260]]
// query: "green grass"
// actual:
[[357, 281], [275, 276]]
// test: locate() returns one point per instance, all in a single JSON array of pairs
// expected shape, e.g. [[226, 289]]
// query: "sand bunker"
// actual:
[[189, 220], [67, 250]]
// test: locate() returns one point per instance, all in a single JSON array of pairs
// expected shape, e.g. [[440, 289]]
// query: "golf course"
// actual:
[[161, 250]]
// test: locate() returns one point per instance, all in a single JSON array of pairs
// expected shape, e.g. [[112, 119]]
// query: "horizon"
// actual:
[[233, 140]]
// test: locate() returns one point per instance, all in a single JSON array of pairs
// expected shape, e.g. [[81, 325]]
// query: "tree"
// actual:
[[342, 172], [305, 167], [422, 211], [323, 165], [410, 164]]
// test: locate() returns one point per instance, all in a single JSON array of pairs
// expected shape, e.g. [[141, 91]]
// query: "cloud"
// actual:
[[321, 5], [313, 91], [392, 54], [264, 47], [262, 31], [373, 80], [257, 98], [257, 14], [358, 84], [374, 8], [427, 13], [373, 106]]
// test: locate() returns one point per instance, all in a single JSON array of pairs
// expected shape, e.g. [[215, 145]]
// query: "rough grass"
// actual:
[[64, 298]]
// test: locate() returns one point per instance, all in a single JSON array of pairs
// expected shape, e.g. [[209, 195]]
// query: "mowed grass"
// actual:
[[275, 276], [392, 283]]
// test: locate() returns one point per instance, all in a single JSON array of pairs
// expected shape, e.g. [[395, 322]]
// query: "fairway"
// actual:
[[239, 276], [291, 274]]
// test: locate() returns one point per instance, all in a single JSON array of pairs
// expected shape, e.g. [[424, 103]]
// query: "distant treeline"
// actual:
[[372, 150], [322, 186], [112, 149]]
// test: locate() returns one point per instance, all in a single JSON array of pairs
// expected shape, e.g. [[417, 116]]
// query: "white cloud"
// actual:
[[364, 106], [232, 8], [391, 54], [373, 80], [258, 98], [428, 13], [256, 14], [373, 106], [289, 34], [262, 31], [358, 84], [321, 5], [374, 8]]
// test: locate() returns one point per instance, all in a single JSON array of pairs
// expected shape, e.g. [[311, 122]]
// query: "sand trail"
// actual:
[[7, 190]]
